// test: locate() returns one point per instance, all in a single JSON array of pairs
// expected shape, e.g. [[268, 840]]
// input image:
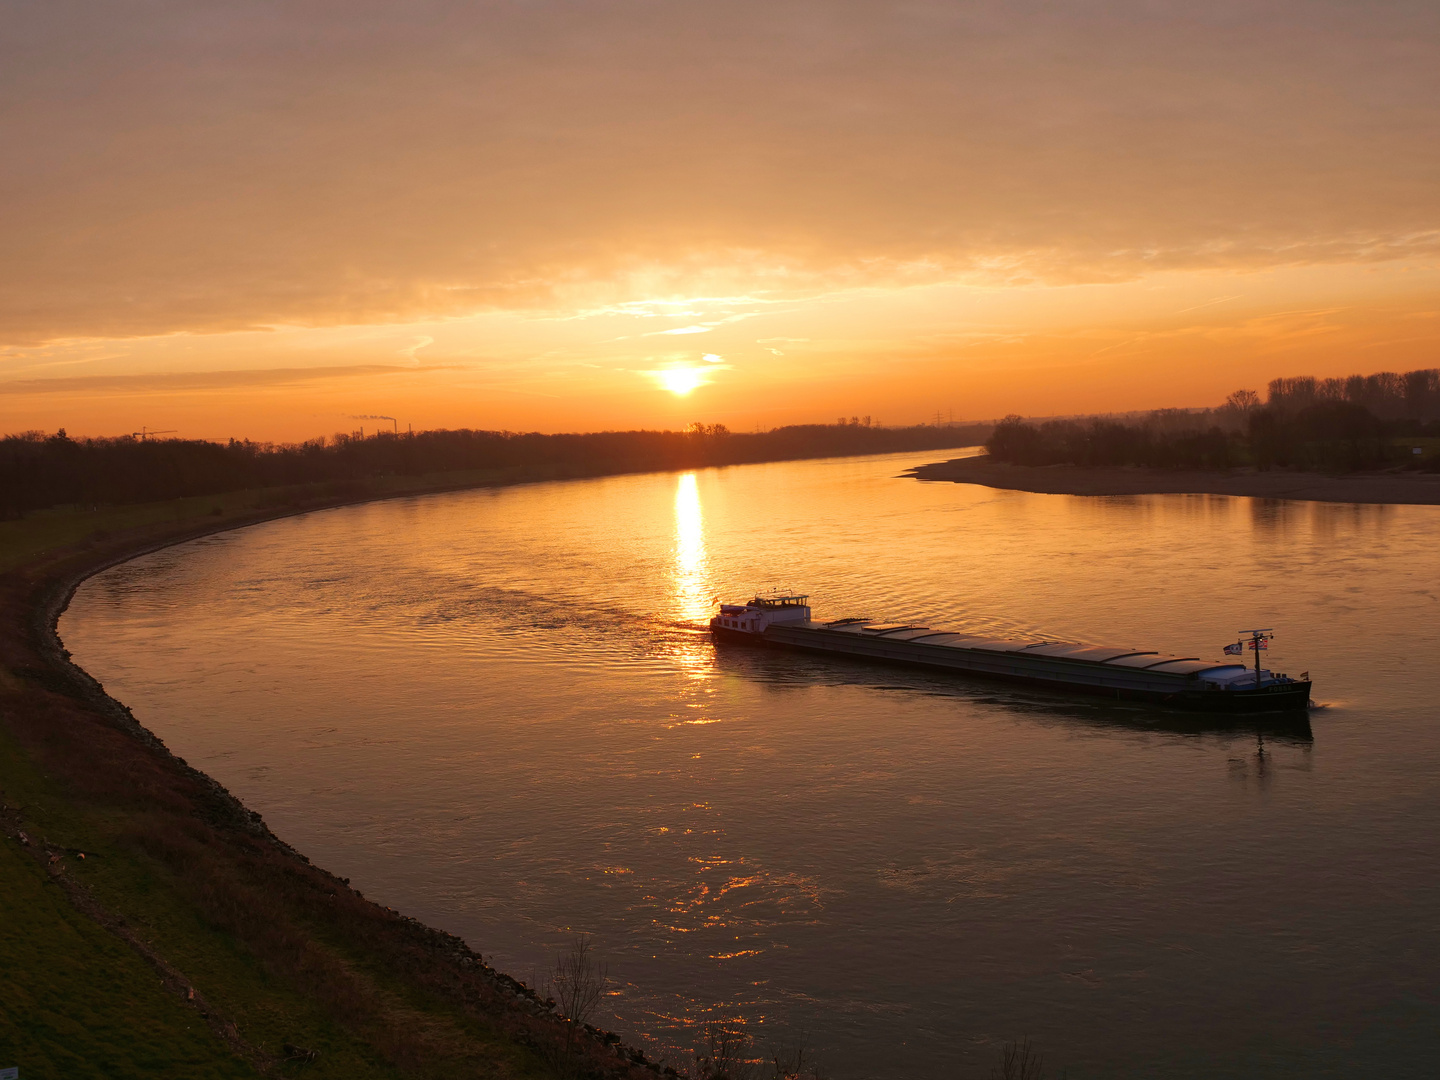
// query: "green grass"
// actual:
[[47, 530], [79, 1002], [44, 531], [75, 1000]]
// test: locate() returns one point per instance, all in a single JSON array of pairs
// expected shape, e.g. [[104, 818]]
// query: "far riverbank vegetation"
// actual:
[[40, 470], [1364, 422]]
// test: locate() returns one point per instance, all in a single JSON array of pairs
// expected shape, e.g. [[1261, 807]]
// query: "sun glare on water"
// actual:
[[693, 592]]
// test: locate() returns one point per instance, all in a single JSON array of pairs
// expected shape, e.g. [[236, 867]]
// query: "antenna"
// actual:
[[1257, 642]]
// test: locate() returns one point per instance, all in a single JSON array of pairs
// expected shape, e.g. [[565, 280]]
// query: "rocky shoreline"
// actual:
[[1422, 489]]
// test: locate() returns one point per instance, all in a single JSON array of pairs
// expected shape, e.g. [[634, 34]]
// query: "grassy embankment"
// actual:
[[150, 925], [42, 531]]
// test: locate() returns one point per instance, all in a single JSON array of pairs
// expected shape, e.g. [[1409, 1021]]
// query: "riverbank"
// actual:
[[154, 925], [1390, 487]]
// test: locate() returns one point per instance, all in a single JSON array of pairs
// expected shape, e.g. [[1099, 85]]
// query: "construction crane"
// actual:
[[143, 434]]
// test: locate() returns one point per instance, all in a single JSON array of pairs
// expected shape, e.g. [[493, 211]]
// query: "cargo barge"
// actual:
[[1114, 672]]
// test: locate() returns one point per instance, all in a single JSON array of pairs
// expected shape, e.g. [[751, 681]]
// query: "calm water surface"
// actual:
[[495, 711]]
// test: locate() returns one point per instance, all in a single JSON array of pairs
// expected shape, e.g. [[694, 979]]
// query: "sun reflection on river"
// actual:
[[693, 595]]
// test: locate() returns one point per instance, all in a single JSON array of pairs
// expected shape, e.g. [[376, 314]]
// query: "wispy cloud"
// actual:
[[708, 325], [1208, 303], [204, 380], [410, 350]]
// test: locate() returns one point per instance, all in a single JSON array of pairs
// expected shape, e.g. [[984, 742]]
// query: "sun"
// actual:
[[681, 380]]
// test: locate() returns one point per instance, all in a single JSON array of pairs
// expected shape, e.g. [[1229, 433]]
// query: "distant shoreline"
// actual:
[[1415, 489]]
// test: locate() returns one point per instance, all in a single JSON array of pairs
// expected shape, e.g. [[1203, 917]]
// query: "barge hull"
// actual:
[[1171, 689]]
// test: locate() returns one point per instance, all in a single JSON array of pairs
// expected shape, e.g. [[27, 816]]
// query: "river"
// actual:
[[496, 710]]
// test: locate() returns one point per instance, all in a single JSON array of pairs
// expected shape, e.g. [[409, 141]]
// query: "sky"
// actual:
[[278, 220]]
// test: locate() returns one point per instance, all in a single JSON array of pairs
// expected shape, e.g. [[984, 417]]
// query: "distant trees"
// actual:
[[1242, 401], [708, 431], [1306, 423], [1412, 396], [1109, 442], [39, 470], [1328, 435]]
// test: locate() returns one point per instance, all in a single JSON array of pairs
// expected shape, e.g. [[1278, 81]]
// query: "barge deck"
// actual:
[[1115, 672]]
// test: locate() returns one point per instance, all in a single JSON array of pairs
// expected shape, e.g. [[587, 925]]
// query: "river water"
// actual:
[[496, 711]]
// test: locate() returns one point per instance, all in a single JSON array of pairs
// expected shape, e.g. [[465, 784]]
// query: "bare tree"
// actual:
[[793, 1063], [1019, 1061], [578, 984], [725, 1056], [1243, 401]]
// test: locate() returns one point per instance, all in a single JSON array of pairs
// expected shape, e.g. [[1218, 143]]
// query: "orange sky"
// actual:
[[272, 219]]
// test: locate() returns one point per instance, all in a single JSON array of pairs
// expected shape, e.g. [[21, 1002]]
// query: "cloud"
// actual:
[[706, 327], [203, 380], [193, 165], [410, 350], [770, 342], [1208, 303]]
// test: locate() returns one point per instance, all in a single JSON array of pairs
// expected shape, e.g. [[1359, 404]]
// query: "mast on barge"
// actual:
[[1257, 642]]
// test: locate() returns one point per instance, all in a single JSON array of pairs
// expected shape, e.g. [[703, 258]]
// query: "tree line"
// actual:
[[39, 470], [1360, 422]]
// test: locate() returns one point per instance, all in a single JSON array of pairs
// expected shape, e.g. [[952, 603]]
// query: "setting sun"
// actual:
[[680, 381]]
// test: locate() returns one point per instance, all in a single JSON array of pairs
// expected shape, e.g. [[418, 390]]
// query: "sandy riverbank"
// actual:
[[1411, 488]]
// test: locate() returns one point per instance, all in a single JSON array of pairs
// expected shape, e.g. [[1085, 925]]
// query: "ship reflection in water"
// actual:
[[499, 711]]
